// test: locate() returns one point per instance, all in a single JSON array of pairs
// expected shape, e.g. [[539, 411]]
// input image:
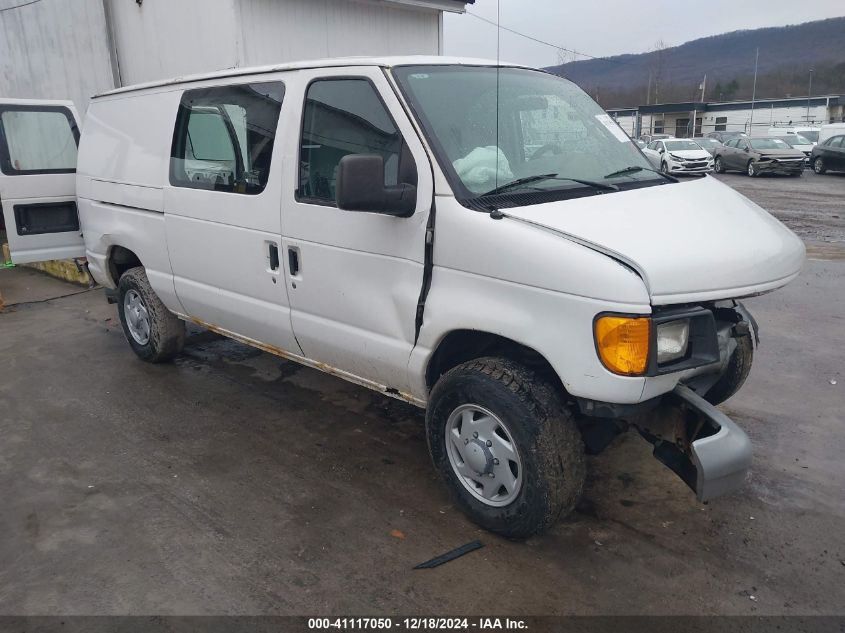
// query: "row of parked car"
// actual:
[[783, 151]]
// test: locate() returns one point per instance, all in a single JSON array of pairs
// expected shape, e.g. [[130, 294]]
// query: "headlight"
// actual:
[[622, 343], [677, 158], [672, 340]]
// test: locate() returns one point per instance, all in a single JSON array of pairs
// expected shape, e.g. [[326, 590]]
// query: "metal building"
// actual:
[[73, 49], [730, 116]]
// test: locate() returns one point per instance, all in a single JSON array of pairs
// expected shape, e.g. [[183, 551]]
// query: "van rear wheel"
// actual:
[[154, 333], [505, 445]]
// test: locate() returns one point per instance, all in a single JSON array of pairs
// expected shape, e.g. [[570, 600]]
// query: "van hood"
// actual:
[[691, 241]]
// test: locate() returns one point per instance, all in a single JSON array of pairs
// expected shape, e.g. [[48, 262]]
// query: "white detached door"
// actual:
[[38, 142]]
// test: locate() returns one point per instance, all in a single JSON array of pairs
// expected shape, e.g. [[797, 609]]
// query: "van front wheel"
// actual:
[[507, 448], [155, 334]]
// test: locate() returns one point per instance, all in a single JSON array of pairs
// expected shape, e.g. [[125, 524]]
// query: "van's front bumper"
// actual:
[[702, 445]]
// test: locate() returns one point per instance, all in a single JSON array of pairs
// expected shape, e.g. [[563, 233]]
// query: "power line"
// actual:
[[539, 41], [18, 6]]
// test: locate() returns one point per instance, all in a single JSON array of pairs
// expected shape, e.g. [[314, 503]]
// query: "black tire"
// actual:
[[664, 168], [166, 330], [751, 169], [735, 374], [543, 432], [718, 167], [818, 165]]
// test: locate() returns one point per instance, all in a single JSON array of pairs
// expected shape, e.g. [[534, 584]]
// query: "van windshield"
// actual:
[[543, 131]]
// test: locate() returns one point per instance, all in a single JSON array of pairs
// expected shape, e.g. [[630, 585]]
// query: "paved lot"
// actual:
[[813, 206], [234, 482]]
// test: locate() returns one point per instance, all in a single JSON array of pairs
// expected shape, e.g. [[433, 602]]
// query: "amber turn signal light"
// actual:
[[623, 343]]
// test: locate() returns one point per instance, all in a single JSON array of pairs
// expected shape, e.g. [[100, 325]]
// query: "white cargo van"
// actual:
[[808, 132], [481, 241], [830, 129]]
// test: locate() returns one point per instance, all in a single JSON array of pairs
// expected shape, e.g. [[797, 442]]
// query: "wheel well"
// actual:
[[461, 346], [120, 260]]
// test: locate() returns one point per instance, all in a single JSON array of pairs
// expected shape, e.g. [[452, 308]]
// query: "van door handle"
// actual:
[[293, 262], [274, 257]]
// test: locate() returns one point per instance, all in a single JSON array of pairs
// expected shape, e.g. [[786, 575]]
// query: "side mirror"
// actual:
[[360, 187], [746, 149], [661, 150]]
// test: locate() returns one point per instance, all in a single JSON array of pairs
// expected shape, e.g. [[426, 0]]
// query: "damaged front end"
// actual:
[[698, 442], [704, 447]]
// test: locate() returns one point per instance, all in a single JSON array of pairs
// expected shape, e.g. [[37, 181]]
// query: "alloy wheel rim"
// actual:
[[137, 317], [818, 165], [751, 169], [483, 455]]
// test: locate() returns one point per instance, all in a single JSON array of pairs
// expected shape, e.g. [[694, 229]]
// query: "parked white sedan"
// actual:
[[679, 156]]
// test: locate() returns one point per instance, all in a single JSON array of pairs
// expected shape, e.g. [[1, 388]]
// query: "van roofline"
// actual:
[[339, 62]]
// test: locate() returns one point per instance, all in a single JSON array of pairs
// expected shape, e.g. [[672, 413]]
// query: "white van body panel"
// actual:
[[830, 129], [675, 235], [120, 177], [354, 299], [26, 189], [486, 279]]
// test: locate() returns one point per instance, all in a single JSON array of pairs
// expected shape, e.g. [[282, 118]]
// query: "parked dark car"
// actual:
[[756, 156], [829, 156], [724, 136], [710, 144]]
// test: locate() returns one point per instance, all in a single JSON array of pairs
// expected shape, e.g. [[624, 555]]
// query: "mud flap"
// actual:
[[698, 442]]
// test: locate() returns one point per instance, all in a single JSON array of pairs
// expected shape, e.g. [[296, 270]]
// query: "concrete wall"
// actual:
[[54, 49]]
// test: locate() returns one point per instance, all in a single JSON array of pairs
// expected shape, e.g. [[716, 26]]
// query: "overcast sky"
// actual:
[[612, 27]]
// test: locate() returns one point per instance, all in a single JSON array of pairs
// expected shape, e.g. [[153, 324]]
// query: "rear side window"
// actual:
[[341, 117], [836, 141], [37, 140], [224, 137]]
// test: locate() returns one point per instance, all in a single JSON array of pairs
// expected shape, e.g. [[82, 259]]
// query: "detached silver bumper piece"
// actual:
[[698, 442]]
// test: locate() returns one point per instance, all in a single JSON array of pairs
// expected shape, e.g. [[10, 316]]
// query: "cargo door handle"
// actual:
[[274, 257], [293, 262]]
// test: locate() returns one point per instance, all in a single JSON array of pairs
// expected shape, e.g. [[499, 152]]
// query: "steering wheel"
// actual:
[[554, 148]]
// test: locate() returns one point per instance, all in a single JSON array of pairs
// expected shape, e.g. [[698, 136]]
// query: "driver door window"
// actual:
[[342, 117]]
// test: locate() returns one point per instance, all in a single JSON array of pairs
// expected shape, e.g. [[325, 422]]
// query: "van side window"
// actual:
[[224, 136], [341, 117], [37, 140]]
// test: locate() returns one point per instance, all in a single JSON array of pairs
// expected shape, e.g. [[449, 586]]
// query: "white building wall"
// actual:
[[73, 49], [54, 49], [766, 116], [168, 38], [294, 30]]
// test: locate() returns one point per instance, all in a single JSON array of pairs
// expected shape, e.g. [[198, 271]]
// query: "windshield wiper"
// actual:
[[635, 168], [529, 179]]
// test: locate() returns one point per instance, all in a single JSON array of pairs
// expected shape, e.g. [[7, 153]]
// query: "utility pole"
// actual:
[[809, 95], [753, 92]]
